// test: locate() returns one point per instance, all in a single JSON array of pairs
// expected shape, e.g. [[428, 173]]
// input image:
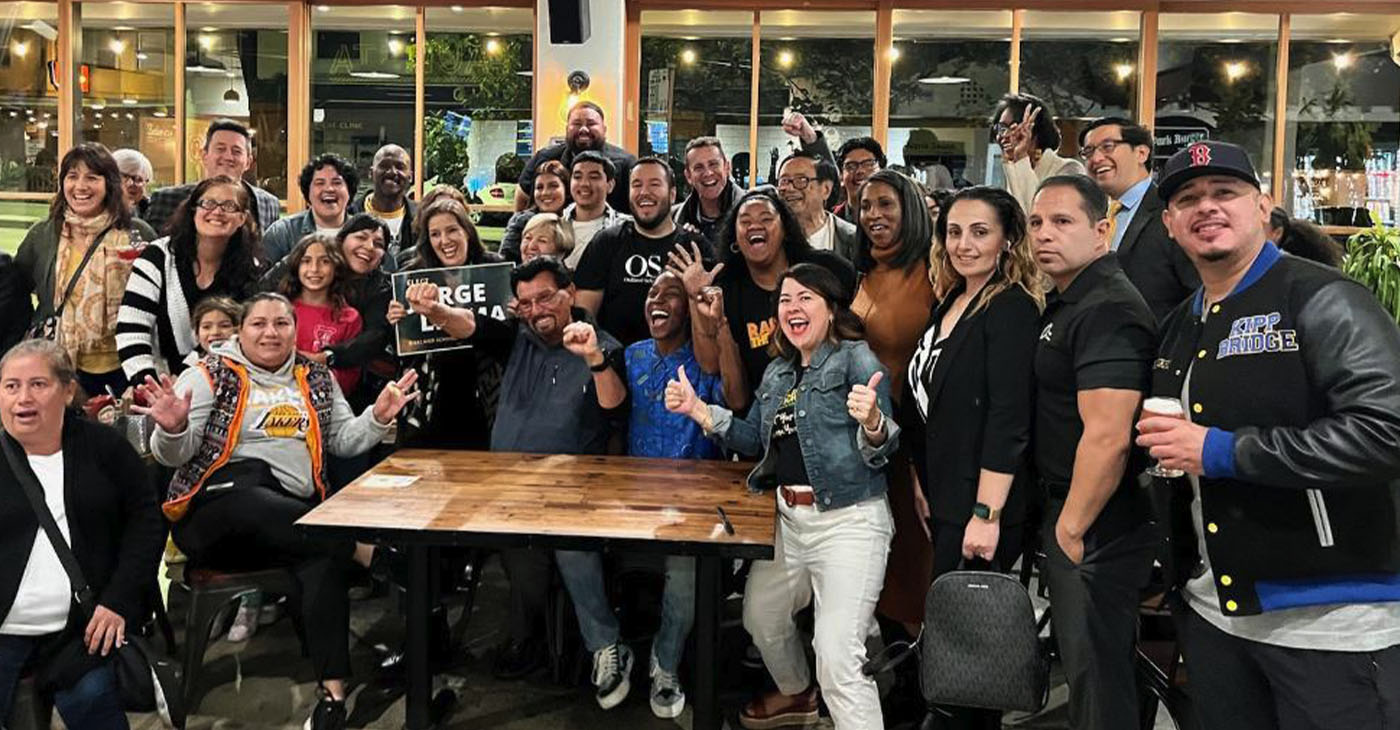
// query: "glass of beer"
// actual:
[[1166, 408]]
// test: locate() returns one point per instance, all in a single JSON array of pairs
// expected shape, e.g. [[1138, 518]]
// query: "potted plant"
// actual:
[[1373, 258]]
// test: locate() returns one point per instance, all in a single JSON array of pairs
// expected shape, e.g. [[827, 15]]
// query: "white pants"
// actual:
[[836, 558]]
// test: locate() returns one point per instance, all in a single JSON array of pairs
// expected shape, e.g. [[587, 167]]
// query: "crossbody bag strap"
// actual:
[[19, 464], [73, 280]]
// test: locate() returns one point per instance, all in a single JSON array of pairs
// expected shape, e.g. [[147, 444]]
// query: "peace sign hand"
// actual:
[[863, 402]]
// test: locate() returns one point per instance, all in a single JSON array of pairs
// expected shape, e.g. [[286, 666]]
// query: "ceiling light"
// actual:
[[1123, 70], [117, 45], [493, 46], [1343, 61], [395, 46], [373, 75], [123, 28], [206, 42], [141, 56], [208, 29], [1234, 70], [1231, 40], [19, 48], [457, 8], [944, 80], [323, 8], [129, 101], [893, 53], [785, 59], [688, 56], [1120, 39]]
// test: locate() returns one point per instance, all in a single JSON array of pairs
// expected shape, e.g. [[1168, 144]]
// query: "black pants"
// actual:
[[250, 528], [1094, 608], [529, 574], [1245, 685], [947, 557]]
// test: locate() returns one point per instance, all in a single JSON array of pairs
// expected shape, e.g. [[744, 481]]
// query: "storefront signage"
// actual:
[[1170, 140], [484, 289]]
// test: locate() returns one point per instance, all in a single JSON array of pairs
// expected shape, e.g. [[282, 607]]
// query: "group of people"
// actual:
[[926, 380]]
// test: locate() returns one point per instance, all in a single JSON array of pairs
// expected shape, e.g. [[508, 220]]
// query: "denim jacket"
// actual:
[[844, 467]]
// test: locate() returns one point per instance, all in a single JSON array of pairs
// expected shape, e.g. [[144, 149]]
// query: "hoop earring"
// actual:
[[734, 247]]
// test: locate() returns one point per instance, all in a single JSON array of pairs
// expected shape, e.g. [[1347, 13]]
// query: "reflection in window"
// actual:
[[362, 81], [821, 64], [695, 86], [952, 68], [1083, 64], [477, 83], [28, 104], [236, 67], [128, 94], [1343, 132], [1215, 80]]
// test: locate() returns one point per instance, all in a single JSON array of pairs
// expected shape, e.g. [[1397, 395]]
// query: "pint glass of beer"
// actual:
[[1167, 408]]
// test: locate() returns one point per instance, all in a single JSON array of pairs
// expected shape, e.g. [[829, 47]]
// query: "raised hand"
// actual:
[[423, 298], [581, 339], [798, 126], [1020, 137], [395, 396], [710, 305], [689, 266], [168, 409], [863, 403]]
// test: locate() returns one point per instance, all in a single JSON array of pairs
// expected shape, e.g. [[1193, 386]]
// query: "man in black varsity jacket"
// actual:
[[1288, 553]]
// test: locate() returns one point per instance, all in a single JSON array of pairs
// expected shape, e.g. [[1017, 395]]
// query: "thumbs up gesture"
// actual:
[[863, 402], [680, 395]]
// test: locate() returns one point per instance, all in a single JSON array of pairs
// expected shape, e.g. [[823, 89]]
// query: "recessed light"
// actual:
[[373, 75], [944, 80]]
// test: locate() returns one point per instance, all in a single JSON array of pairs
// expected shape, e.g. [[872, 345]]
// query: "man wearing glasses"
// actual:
[[858, 158], [136, 175], [804, 183], [1118, 155]]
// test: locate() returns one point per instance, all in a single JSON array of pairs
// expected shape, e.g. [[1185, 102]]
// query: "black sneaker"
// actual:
[[328, 714], [612, 674], [517, 659]]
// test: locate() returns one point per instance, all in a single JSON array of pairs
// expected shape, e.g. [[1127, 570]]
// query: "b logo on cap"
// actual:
[[1200, 155]]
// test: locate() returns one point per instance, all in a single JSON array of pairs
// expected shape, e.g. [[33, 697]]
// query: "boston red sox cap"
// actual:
[[1205, 158]]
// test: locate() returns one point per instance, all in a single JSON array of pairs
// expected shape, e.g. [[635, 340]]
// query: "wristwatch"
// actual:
[[602, 364], [985, 513], [330, 358]]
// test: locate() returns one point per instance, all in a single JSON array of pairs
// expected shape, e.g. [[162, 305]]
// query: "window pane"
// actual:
[[128, 60], [952, 68], [28, 103], [819, 64], [696, 81], [1343, 133], [236, 67], [477, 83], [1084, 65], [362, 81], [1215, 79]]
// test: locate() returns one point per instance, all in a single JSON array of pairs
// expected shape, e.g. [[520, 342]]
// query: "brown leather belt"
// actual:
[[794, 497]]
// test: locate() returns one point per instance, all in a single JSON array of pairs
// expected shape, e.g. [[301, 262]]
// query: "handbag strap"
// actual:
[[19, 464], [73, 280]]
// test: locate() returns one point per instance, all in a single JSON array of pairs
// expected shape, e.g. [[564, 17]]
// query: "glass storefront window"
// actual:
[[477, 84], [128, 63], [821, 64], [1342, 139], [696, 80], [28, 100], [1083, 64], [1215, 80], [236, 67], [952, 68], [362, 81]]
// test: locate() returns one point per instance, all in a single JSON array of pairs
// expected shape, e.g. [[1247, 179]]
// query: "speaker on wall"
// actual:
[[568, 21]]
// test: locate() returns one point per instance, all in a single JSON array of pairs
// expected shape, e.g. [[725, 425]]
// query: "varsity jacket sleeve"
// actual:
[[1351, 348], [349, 434], [136, 320], [174, 449]]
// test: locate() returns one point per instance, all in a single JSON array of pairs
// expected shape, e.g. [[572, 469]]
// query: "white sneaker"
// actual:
[[667, 697], [612, 674], [245, 622]]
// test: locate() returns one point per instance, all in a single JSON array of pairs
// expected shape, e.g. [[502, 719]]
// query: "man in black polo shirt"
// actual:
[[1091, 370], [1287, 545], [621, 263], [587, 130]]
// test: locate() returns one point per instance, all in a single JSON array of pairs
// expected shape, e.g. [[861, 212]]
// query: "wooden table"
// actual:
[[600, 503]]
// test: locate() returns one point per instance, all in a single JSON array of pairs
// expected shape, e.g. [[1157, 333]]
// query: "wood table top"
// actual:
[[553, 500]]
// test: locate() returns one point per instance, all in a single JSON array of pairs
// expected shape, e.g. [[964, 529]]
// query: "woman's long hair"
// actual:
[[240, 264], [96, 158], [845, 325], [291, 286], [915, 223], [426, 257], [794, 240], [1015, 265]]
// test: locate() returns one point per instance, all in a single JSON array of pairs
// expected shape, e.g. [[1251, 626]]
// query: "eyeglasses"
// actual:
[[869, 165], [134, 179], [797, 182], [539, 302], [1107, 147], [1000, 128], [227, 206]]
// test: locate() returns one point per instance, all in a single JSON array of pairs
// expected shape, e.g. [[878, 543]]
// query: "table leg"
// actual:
[[707, 639], [420, 677]]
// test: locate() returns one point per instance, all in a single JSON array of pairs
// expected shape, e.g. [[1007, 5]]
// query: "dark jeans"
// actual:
[[248, 528], [1245, 685], [1094, 608], [528, 571], [93, 703]]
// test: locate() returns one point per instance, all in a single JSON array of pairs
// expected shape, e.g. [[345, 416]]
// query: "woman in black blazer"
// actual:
[[99, 492], [970, 390]]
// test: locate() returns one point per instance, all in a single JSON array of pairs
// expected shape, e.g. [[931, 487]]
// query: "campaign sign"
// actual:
[[484, 289]]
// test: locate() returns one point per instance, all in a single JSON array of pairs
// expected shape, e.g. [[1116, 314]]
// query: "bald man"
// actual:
[[392, 175]]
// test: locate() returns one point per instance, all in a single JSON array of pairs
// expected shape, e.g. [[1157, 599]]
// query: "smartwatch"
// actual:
[[603, 364], [983, 512]]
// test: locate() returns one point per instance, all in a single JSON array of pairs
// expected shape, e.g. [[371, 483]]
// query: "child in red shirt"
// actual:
[[315, 282]]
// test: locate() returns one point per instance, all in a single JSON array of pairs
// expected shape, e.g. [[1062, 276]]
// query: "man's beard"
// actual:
[[649, 224], [596, 145]]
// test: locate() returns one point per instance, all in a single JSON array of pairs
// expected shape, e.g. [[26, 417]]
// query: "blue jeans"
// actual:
[[583, 577], [93, 703]]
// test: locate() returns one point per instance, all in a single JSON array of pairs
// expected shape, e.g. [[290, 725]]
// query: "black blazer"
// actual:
[[116, 528], [980, 407], [1153, 261]]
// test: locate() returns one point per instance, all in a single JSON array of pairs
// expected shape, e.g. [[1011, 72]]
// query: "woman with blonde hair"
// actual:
[[546, 234]]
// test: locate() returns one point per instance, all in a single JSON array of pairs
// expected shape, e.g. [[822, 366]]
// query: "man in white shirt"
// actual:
[[804, 183], [591, 179]]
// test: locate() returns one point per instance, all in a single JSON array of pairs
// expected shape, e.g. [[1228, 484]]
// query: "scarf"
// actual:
[[89, 321]]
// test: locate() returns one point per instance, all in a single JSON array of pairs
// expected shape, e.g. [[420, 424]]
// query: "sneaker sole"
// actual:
[[615, 697], [665, 712], [786, 719]]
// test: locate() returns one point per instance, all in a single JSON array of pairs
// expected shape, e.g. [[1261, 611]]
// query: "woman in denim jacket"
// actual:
[[820, 423]]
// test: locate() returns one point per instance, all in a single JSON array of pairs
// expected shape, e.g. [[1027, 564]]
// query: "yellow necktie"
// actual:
[[1113, 209]]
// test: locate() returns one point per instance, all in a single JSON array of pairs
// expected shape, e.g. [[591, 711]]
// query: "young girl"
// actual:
[[214, 320], [315, 282]]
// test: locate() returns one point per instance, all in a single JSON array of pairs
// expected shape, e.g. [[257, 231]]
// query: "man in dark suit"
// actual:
[[1118, 156]]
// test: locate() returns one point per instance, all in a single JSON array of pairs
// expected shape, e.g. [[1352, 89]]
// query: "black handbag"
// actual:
[[981, 645], [47, 328], [147, 680]]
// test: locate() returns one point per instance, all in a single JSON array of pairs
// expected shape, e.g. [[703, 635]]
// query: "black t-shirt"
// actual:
[[622, 160], [1098, 333], [622, 263], [787, 451]]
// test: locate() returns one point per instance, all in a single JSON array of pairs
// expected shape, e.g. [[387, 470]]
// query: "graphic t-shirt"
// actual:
[[787, 452], [320, 327], [623, 263]]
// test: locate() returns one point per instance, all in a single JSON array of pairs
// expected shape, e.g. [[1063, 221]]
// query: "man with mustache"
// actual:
[[326, 183], [622, 261], [587, 130], [392, 175], [228, 150]]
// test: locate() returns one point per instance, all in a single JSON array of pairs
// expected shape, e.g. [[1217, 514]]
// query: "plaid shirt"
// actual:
[[164, 202]]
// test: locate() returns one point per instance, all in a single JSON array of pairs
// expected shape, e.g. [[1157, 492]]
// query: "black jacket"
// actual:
[[979, 407], [369, 295], [1297, 373], [117, 530], [16, 309], [1153, 261]]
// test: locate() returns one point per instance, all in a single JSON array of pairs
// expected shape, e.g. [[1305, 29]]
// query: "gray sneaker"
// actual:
[[667, 697], [612, 672]]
